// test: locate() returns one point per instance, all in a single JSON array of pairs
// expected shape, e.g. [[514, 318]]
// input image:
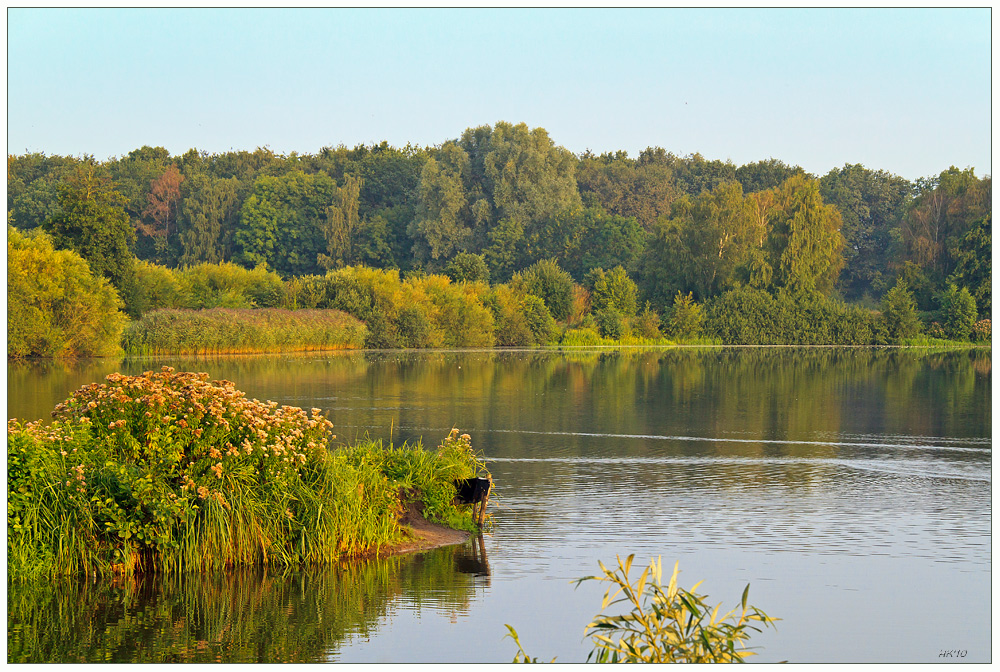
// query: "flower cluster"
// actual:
[[982, 331], [193, 430]]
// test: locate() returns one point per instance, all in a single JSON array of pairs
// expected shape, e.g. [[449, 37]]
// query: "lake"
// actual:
[[850, 487]]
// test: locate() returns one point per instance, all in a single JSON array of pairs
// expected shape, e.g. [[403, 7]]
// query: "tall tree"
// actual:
[[763, 175], [441, 227], [92, 221], [944, 210], [624, 187], [805, 243], [699, 247], [341, 226], [208, 218], [871, 203], [281, 223], [160, 214]]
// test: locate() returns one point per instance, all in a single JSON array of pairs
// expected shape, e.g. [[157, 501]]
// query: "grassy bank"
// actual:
[[172, 471], [241, 331]]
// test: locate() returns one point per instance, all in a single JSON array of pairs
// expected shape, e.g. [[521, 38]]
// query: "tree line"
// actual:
[[500, 199]]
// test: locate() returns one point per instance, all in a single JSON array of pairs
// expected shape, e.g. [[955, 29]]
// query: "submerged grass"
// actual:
[[241, 331], [172, 471]]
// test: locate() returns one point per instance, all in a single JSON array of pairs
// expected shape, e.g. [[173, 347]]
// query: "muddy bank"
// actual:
[[425, 534]]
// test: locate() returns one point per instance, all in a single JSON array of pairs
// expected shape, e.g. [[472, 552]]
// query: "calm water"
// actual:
[[851, 488]]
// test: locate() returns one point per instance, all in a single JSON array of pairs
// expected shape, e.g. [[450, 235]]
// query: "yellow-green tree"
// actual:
[[56, 307]]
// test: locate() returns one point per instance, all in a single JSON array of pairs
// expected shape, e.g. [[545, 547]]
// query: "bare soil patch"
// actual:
[[425, 534]]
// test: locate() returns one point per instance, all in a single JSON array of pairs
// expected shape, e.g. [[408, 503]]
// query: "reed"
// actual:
[[172, 471], [665, 624], [241, 331]]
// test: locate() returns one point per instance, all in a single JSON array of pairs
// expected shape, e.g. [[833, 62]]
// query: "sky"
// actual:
[[902, 90]]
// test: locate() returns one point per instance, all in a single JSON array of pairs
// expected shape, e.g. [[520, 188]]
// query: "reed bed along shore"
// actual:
[[173, 471], [241, 331]]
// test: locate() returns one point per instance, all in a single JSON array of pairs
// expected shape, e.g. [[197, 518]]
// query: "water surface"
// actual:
[[849, 487]]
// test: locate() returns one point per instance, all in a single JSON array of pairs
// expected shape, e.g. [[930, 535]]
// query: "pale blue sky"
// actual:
[[905, 90]]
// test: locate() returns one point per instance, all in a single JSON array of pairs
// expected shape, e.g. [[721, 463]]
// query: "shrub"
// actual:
[[510, 323], [749, 316], [226, 330], [159, 287], [899, 311], [610, 323], [55, 306], [551, 284], [647, 323], [456, 310], [306, 291], [228, 285], [466, 267], [982, 331], [958, 309], [666, 624], [172, 471], [540, 322], [585, 336], [613, 289], [686, 317]]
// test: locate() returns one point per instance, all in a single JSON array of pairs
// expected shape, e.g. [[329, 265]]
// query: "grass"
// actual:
[[172, 471], [241, 331]]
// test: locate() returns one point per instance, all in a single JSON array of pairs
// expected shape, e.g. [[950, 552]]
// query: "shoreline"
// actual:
[[426, 535]]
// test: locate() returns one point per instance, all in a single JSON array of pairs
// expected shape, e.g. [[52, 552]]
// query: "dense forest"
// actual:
[[502, 203]]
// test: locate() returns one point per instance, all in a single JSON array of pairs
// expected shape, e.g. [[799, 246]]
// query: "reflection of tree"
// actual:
[[230, 617], [768, 394]]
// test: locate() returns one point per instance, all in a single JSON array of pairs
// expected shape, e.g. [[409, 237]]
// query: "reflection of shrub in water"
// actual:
[[238, 616], [232, 617]]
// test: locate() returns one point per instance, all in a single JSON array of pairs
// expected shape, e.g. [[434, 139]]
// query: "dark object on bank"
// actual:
[[475, 491]]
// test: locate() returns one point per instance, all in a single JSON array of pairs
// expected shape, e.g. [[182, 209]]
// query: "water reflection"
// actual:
[[471, 559], [835, 480], [247, 616]]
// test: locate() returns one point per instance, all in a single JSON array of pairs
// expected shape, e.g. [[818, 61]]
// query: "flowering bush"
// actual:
[[172, 470], [982, 331]]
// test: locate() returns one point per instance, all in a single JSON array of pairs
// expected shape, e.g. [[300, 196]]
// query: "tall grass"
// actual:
[[666, 623], [244, 331], [172, 471]]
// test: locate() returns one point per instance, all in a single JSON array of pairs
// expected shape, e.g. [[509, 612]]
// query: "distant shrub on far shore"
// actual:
[[228, 330]]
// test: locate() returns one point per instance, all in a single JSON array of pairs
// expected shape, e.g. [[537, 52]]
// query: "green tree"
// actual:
[[871, 203], [625, 188], [467, 267], [804, 242], [282, 222], [943, 211], [899, 311], [32, 186], [958, 309], [693, 174], [973, 255], [612, 289], [701, 246], [92, 221], [441, 226], [551, 284], [342, 226], [208, 218], [686, 317], [505, 253], [763, 175]]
